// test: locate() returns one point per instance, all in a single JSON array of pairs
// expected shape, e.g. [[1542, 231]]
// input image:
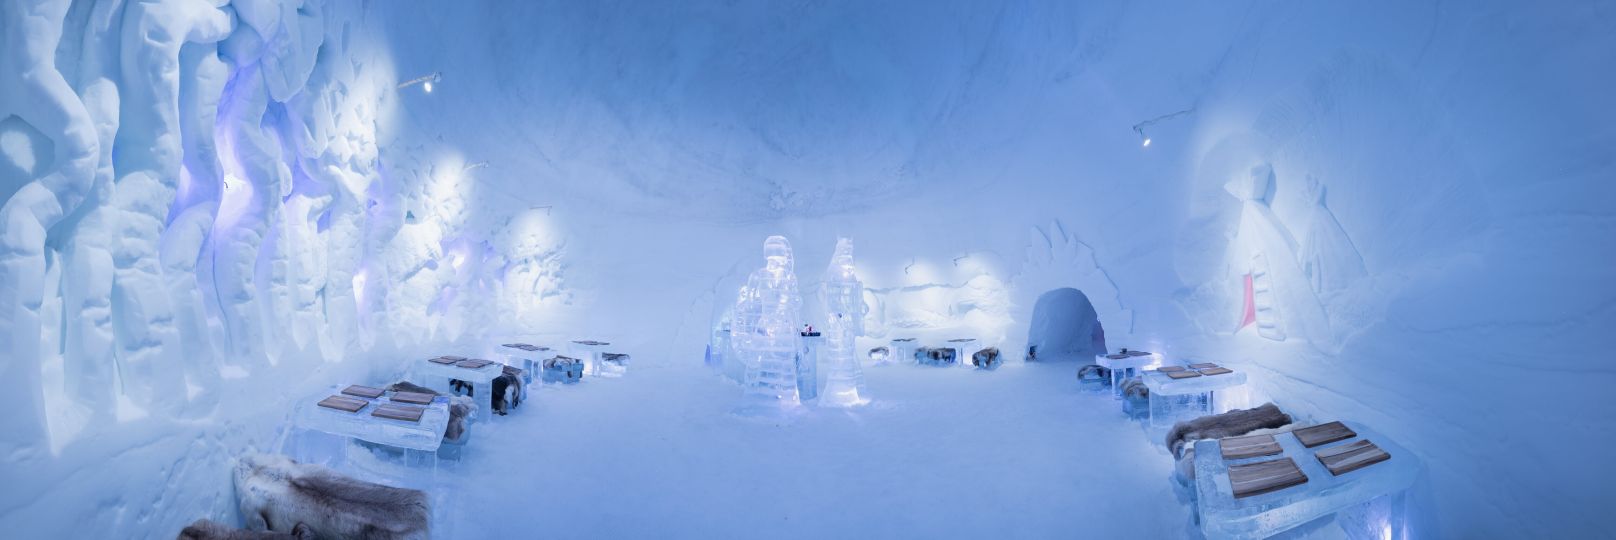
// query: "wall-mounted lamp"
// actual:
[[1139, 128], [425, 81]]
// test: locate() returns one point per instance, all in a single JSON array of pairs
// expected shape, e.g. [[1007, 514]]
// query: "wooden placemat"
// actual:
[[452, 357], [1264, 477], [442, 360], [1138, 353], [1249, 446], [1183, 374], [1216, 371], [363, 391], [399, 412], [1351, 457], [1324, 434], [1117, 356], [1203, 365], [418, 398], [474, 363], [343, 403], [1170, 369]]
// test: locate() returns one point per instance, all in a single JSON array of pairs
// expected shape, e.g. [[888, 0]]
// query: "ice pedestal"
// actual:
[[1172, 399], [437, 376], [1369, 501], [563, 370], [964, 348], [589, 351], [424, 435], [527, 357], [808, 366], [903, 350], [1126, 365], [613, 364]]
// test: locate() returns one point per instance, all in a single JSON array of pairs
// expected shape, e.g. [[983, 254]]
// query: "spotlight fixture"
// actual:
[[1139, 128], [425, 81]]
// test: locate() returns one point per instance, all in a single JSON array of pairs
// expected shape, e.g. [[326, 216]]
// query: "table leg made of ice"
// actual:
[[1126, 365], [1370, 502], [1173, 399]]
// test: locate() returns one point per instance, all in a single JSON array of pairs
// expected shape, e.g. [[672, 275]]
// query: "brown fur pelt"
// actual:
[[207, 529], [1093, 371], [278, 494], [461, 408], [1135, 388], [1230, 424]]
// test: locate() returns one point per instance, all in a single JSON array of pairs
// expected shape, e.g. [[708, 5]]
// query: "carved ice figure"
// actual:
[[765, 330], [1329, 260], [1265, 254], [34, 92], [843, 297]]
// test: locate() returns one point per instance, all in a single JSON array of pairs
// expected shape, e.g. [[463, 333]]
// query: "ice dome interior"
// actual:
[[215, 213]]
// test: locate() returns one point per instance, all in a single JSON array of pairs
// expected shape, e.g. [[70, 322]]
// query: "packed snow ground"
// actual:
[[956, 453]]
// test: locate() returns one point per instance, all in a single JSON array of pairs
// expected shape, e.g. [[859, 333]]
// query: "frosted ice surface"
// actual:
[[764, 332], [1260, 516], [424, 435], [843, 297]]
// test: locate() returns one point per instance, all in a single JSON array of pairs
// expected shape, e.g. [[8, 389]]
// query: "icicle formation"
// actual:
[[764, 331], [843, 296]]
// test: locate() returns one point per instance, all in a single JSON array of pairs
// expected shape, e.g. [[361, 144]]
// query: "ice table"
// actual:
[[903, 350], [426, 435], [1125, 365], [1174, 399], [525, 356], [963, 349], [436, 375], [589, 351], [1220, 515]]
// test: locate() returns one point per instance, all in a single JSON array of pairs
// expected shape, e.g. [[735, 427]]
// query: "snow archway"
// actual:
[[1064, 325]]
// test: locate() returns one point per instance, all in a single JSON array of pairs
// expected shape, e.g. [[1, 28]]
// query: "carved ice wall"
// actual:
[[200, 199]]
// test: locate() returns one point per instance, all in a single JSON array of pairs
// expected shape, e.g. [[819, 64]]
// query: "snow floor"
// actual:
[[940, 452]]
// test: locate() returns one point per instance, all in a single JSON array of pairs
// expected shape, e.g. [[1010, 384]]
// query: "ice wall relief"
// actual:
[[194, 192]]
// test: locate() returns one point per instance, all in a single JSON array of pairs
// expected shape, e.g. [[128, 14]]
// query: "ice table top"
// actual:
[[482, 375], [1129, 361], [1161, 384], [1261, 516], [425, 434]]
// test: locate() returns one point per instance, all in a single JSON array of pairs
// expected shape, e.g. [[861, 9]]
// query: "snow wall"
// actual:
[[1392, 212]]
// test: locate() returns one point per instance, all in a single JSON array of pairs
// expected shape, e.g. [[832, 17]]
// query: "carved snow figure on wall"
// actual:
[[764, 333], [843, 297], [1264, 258]]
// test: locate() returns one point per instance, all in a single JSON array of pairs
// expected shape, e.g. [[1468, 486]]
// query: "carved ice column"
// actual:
[[38, 95], [147, 165], [843, 297]]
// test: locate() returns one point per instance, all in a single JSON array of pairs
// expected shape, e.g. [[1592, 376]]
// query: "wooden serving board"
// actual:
[[1183, 374], [1351, 457], [343, 403], [399, 412], [1216, 371], [442, 360], [1170, 369], [1116, 356], [363, 391], [472, 364], [1203, 365], [1324, 434], [1264, 477], [418, 398], [1249, 446]]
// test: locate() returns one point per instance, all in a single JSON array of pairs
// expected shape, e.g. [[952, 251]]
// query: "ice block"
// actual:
[[365, 423], [1125, 366], [1178, 395], [1221, 515]]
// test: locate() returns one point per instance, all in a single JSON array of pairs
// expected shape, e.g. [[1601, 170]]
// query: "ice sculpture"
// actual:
[[843, 297], [764, 332]]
